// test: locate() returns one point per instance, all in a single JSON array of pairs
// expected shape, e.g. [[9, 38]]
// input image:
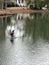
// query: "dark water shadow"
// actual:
[[12, 39]]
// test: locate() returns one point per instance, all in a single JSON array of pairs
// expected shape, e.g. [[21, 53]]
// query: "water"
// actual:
[[30, 45]]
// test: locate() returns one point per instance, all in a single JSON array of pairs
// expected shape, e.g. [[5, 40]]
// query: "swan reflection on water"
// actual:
[[13, 32], [16, 27]]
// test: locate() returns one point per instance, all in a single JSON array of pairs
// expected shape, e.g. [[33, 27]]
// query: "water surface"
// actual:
[[31, 43]]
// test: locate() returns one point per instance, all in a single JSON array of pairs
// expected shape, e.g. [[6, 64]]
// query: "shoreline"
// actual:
[[14, 10]]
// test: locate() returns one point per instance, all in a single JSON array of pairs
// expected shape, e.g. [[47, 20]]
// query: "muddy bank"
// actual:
[[14, 10]]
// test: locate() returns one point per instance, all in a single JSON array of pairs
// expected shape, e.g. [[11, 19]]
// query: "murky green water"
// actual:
[[30, 45]]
